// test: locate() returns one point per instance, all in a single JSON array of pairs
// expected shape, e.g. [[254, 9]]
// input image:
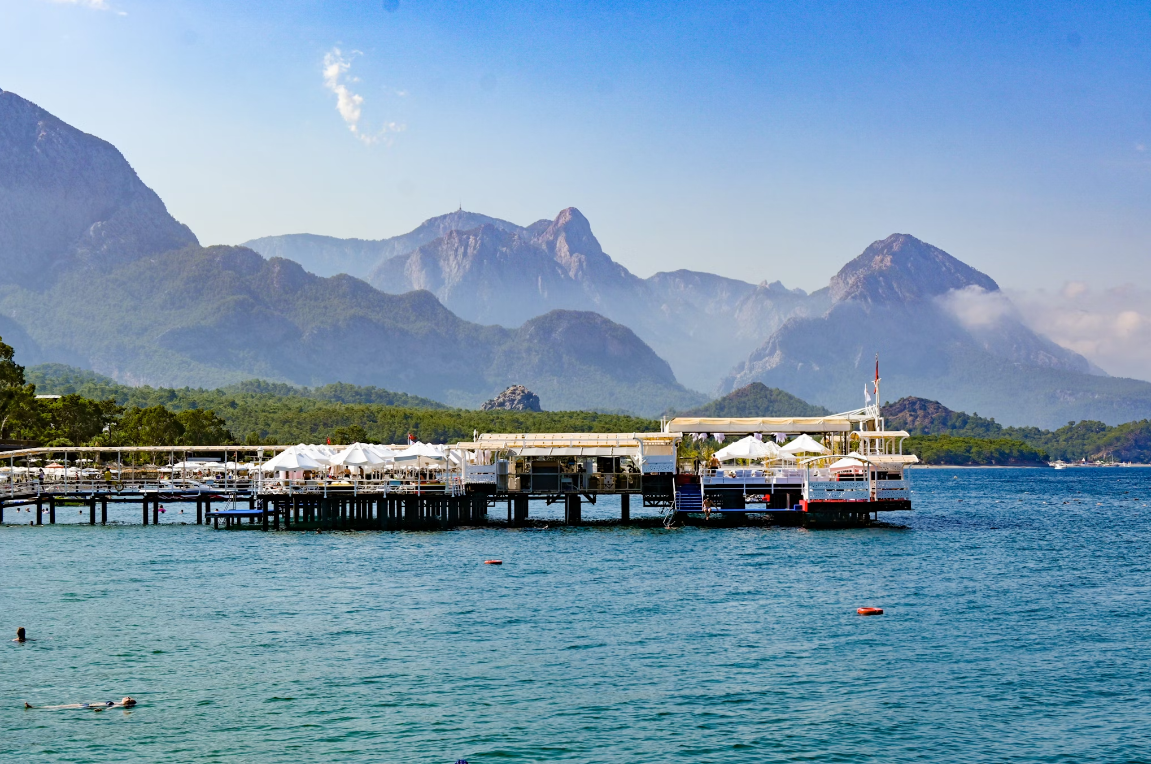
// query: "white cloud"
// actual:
[[1111, 327], [975, 307], [96, 5], [349, 104]]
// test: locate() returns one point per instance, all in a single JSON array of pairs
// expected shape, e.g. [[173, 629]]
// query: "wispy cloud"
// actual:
[[96, 5], [1111, 327], [975, 307], [348, 103]]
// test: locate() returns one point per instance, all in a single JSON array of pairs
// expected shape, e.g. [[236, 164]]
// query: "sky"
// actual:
[[761, 141]]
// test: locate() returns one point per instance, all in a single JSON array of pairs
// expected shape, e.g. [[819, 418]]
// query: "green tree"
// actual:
[[203, 428], [153, 426], [17, 397], [353, 433], [77, 419]]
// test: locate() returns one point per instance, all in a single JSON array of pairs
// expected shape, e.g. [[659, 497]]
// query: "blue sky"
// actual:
[[761, 141]]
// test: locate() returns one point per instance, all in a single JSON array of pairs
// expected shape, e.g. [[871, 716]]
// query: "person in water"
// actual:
[[21, 635], [125, 702]]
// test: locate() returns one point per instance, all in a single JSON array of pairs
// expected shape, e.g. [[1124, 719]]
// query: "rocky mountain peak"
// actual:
[[901, 268], [515, 398], [70, 199], [570, 241]]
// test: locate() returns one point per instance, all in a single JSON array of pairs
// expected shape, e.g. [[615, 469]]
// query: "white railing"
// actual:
[[788, 476], [892, 489], [836, 490], [482, 475]]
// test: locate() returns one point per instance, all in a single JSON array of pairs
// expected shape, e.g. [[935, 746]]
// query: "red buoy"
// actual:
[[870, 611], [493, 562]]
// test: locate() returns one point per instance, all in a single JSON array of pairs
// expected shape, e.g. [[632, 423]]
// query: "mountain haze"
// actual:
[[97, 274], [329, 256], [496, 272], [71, 200], [944, 331]]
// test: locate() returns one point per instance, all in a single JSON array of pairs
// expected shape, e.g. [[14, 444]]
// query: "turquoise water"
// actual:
[[1017, 627]]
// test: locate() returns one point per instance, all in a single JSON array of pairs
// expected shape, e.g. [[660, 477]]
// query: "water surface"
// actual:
[[1017, 627]]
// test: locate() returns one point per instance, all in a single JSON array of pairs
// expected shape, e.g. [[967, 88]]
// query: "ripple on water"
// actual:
[[1014, 630]]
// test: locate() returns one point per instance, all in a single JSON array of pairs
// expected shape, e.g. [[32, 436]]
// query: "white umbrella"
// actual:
[[846, 463], [420, 453], [321, 454], [357, 455], [747, 448], [290, 461], [385, 453], [805, 444]]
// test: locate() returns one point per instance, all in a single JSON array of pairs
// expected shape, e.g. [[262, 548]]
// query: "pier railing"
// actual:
[[837, 490]]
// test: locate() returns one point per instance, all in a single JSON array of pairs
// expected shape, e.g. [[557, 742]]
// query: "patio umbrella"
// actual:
[[805, 444], [290, 461], [746, 448], [357, 455]]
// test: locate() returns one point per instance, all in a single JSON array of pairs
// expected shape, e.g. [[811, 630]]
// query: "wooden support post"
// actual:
[[520, 516], [510, 521], [145, 505], [199, 511], [263, 514], [156, 509], [625, 507], [92, 510], [39, 512], [103, 510], [51, 510], [573, 514]]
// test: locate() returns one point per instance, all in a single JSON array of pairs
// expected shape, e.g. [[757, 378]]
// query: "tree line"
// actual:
[[93, 410]]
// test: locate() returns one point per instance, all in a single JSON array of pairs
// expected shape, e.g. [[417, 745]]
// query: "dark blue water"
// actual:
[[1017, 628]]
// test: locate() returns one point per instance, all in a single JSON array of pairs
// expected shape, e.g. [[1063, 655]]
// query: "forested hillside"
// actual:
[[1090, 440]]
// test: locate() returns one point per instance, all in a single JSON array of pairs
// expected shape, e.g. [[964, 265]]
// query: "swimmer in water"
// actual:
[[125, 702], [21, 635]]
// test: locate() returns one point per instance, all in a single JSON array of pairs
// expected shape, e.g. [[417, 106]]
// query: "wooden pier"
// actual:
[[474, 483]]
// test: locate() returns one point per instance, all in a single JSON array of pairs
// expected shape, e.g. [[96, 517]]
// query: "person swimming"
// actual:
[[21, 635], [125, 702]]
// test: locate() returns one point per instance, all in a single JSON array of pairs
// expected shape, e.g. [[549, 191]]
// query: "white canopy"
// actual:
[[805, 444], [295, 458], [846, 463], [358, 455], [420, 450], [321, 454], [747, 448]]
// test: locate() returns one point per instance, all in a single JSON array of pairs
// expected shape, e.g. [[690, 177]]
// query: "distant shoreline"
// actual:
[[1018, 466]]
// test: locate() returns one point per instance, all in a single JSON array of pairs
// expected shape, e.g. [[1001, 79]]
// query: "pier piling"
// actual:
[[573, 509], [625, 508]]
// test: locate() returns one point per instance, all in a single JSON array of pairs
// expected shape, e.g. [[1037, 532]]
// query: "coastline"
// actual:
[[1018, 466]]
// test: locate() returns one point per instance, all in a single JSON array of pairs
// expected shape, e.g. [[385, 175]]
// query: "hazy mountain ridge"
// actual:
[[212, 316], [900, 299], [69, 199], [97, 274], [329, 256], [496, 272]]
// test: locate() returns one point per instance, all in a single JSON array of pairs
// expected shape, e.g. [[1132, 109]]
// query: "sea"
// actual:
[[1016, 628]]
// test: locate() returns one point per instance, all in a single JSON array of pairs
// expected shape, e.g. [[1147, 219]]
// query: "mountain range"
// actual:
[[126, 290], [97, 274], [498, 272]]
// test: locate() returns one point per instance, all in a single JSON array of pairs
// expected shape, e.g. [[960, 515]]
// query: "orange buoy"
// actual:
[[493, 562], [870, 611]]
